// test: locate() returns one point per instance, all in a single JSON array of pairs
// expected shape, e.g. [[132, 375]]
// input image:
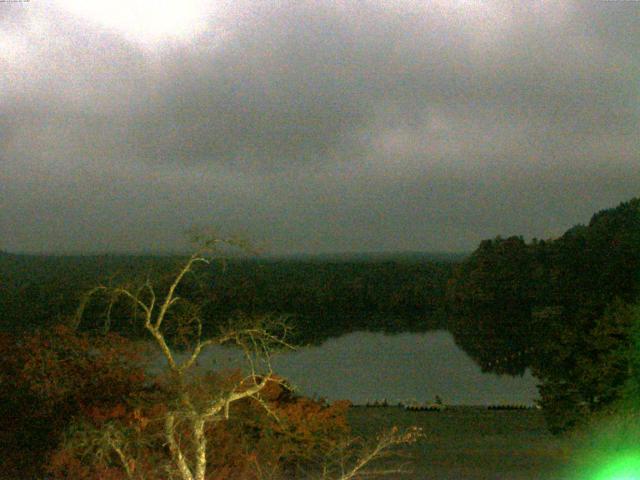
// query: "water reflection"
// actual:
[[364, 366]]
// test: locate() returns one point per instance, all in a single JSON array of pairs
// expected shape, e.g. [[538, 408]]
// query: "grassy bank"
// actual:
[[469, 443]]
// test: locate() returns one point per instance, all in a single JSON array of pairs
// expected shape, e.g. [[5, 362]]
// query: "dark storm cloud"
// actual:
[[321, 125]]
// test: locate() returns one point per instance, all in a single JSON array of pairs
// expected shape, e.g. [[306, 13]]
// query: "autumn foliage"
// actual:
[[50, 378], [81, 407]]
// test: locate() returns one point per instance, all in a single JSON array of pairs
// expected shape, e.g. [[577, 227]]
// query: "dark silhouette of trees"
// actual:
[[491, 300], [560, 307], [323, 297], [595, 273]]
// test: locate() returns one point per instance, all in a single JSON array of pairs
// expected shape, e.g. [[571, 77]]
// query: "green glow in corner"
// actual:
[[607, 451], [624, 467]]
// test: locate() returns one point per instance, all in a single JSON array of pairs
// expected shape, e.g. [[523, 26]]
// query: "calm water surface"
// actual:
[[364, 366]]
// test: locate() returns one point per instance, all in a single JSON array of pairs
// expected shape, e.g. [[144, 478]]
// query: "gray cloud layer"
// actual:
[[319, 126]]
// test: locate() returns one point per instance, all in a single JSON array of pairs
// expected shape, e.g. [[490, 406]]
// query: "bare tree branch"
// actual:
[[189, 414]]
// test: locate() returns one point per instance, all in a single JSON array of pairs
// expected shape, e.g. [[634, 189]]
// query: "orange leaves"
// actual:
[[101, 414], [65, 465], [58, 364], [50, 378], [312, 417], [91, 392], [139, 420]]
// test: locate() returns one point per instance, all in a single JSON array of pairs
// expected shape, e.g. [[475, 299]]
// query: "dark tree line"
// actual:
[[324, 297], [562, 307], [330, 298]]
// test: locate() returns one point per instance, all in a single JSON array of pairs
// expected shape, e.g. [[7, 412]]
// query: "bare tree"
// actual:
[[353, 459], [257, 338]]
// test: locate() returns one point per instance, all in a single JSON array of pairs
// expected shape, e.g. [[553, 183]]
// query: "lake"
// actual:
[[365, 366]]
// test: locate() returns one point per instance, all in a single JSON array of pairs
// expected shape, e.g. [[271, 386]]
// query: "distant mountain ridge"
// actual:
[[331, 256], [374, 256]]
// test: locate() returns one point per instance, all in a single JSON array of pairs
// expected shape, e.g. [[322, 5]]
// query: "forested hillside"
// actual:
[[323, 296], [563, 307]]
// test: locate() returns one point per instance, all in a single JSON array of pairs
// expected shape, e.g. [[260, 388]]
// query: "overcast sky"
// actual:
[[313, 126]]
